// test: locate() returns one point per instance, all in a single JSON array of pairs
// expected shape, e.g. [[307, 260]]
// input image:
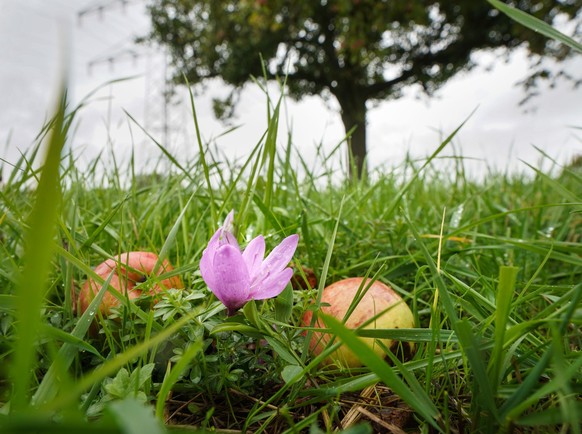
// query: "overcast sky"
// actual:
[[93, 40]]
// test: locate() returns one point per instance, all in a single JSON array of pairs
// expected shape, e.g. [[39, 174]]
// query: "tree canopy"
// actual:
[[357, 51]]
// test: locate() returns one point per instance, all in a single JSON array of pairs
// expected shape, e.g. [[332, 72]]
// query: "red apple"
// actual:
[[130, 269], [379, 301]]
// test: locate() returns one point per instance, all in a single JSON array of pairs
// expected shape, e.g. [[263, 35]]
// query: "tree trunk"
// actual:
[[353, 111]]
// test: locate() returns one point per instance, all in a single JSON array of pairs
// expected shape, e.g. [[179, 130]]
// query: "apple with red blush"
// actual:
[[379, 303]]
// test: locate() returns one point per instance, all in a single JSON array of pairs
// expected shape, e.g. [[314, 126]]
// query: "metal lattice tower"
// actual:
[[157, 96]]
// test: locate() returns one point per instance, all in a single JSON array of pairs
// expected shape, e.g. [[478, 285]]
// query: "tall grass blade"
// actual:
[[323, 278], [536, 24], [172, 235], [270, 152], [37, 259], [394, 203], [173, 375], [559, 382], [202, 157], [162, 148], [505, 291]]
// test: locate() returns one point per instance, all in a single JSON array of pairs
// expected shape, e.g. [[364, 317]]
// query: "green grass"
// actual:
[[491, 269]]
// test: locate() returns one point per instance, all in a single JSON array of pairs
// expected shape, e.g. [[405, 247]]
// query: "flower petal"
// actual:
[[231, 284], [207, 260], [273, 286], [226, 231], [278, 258], [228, 222], [253, 256]]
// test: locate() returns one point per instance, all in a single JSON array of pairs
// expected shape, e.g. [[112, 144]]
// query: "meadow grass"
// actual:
[[491, 270]]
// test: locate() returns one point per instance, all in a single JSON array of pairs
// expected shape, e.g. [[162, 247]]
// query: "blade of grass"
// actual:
[[68, 339], [167, 153], [408, 335], [560, 381], [524, 392], [505, 291], [270, 152], [33, 280], [550, 417], [392, 206], [171, 236], [294, 382], [267, 213], [536, 24], [201, 156], [322, 279], [172, 376]]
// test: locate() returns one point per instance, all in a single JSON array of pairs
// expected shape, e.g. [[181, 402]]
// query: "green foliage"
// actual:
[[501, 346], [123, 385]]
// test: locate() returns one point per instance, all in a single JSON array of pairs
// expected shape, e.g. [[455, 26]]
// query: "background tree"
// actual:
[[359, 51]]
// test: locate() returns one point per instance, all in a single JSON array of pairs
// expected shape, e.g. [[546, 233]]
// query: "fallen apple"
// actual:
[[129, 269], [379, 302]]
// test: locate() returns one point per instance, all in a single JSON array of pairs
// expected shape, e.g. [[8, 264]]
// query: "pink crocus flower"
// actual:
[[236, 276]]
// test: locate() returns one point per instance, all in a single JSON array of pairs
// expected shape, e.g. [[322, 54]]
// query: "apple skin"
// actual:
[[336, 300], [130, 269]]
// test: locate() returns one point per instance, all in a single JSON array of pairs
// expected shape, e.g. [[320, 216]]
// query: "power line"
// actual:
[[100, 8], [157, 91]]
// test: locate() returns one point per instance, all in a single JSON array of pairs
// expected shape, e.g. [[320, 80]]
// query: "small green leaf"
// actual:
[[119, 385], [134, 418], [237, 327], [281, 350], [140, 376], [284, 305], [252, 314], [68, 338], [291, 373]]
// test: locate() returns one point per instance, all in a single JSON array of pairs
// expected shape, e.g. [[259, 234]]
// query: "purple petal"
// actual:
[[273, 286], [227, 238], [231, 284], [278, 258], [228, 225], [253, 256], [206, 262]]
